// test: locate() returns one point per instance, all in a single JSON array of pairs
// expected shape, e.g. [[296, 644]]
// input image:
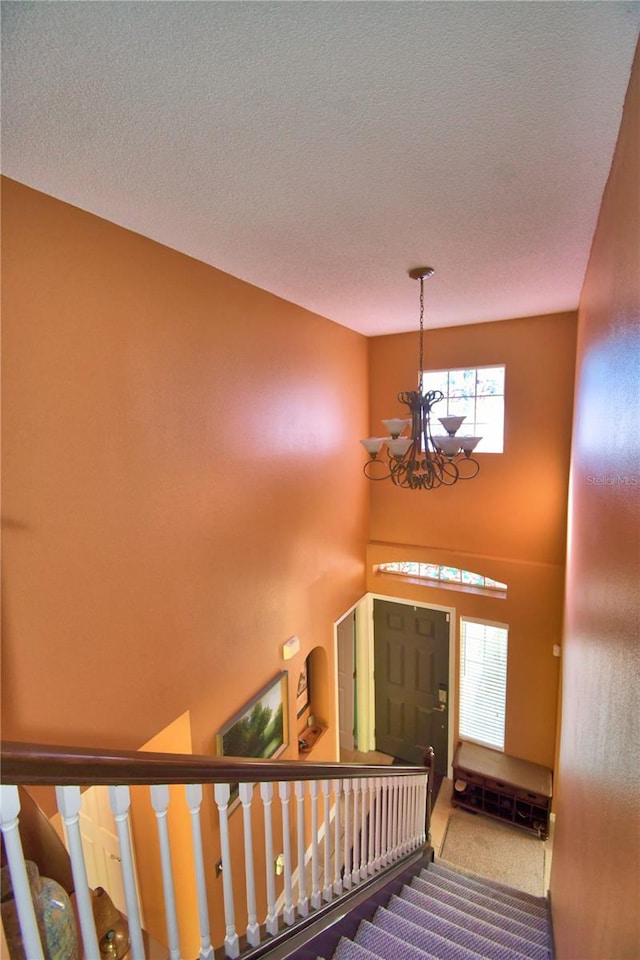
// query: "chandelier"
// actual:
[[421, 460]]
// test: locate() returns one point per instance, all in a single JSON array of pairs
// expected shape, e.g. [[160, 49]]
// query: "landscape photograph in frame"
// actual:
[[260, 728]]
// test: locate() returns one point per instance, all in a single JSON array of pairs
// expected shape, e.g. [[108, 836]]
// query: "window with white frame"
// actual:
[[483, 682], [476, 393]]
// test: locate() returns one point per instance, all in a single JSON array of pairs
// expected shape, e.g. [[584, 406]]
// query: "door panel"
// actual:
[[396, 674], [411, 662]]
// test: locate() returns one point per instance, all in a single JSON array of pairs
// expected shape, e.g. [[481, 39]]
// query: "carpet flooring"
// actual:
[[496, 850]]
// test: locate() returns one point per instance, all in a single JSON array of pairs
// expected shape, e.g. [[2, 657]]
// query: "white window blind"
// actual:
[[483, 682]]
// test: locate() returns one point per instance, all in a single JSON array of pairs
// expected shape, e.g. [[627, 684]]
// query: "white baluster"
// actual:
[[396, 818], [371, 864], [384, 850], [69, 803], [303, 900], [393, 810], [316, 894], [378, 823], [355, 866], [222, 792], [364, 831], [398, 843], [9, 810], [416, 810], [401, 783], [405, 814], [271, 923], [289, 913], [337, 883], [253, 928], [326, 796], [194, 802], [346, 880], [160, 803], [120, 801]]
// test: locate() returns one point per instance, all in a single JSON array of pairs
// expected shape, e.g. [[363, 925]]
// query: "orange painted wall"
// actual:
[[518, 501], [181, 486], [508, 523], [595, 881]]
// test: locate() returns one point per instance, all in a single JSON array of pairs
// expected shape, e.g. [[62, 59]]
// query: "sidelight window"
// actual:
[[483, 682]]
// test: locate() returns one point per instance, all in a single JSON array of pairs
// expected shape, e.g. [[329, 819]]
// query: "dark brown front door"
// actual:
[[411, 665]]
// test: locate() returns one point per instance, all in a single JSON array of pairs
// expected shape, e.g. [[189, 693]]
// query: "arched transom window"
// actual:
[[450, 576]]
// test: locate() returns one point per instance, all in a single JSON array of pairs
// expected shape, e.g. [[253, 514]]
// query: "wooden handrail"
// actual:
[[46, 764]]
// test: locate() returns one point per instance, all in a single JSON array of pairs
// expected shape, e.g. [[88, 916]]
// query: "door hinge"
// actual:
[[448, 616]]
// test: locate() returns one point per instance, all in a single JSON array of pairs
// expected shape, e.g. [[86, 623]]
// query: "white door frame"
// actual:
[[365, 681]]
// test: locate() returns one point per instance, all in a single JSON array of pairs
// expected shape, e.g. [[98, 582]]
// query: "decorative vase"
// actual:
[[112, 929], [54, 914]]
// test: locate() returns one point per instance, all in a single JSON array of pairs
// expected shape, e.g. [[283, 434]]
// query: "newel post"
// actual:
[[429, 762]]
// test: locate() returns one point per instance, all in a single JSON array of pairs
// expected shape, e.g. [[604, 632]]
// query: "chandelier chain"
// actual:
[[421, 363]]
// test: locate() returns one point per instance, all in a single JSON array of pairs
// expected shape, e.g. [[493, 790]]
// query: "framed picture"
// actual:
[[261, 728], [303, 693]]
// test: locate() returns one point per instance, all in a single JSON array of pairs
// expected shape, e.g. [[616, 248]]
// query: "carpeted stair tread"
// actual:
[[386, 946], [422, 937], [536, 909], [489, 928], [444, 868], [449, 915], [524, 930], [472, 898], [475, 936], [348, 950]]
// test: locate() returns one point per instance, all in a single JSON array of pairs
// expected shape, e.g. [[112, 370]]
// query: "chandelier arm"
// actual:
[[468, 468], [375, 466]]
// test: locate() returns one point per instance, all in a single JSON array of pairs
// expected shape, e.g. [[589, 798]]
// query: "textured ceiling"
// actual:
[[320, 149]]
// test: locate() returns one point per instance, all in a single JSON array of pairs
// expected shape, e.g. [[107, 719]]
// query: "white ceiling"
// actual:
[[321, 149]]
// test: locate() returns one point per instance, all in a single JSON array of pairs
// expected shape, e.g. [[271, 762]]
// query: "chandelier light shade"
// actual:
[[412, 455]]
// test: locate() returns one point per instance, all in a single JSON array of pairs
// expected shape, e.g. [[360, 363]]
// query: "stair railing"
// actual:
[[348, 822]]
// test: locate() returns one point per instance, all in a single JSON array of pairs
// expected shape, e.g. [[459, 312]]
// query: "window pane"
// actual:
[[489, 409], [490, 380], [462, 383], [494, 584], [435, 380], [463, 407], [475, 579]]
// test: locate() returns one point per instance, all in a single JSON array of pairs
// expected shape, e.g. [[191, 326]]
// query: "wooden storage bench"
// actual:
[[512, 790]]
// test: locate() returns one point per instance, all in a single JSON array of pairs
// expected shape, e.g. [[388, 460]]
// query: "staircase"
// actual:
[[358, 879], [445, 914]]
